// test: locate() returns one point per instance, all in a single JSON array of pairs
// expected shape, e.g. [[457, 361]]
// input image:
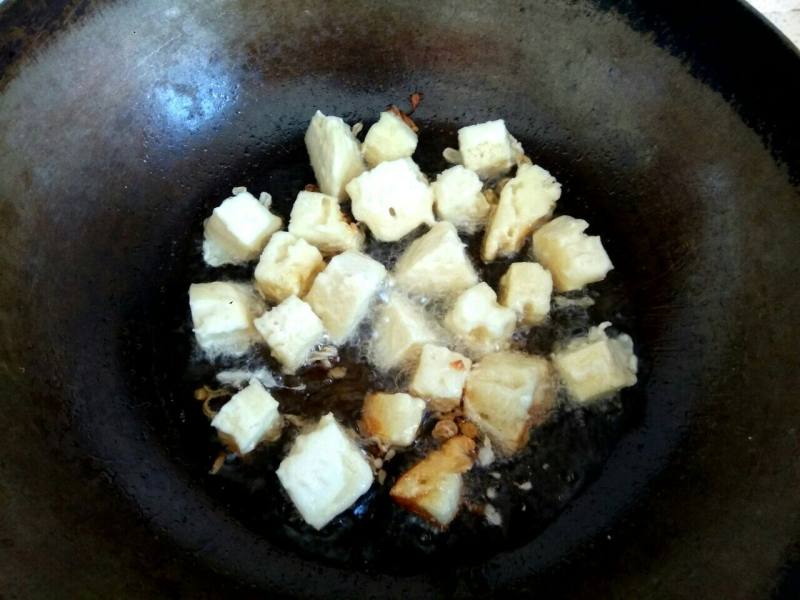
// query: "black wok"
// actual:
[[674, 128]]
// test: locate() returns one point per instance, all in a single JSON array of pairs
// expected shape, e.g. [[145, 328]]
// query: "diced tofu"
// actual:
[[436, 264], [222, 316], [479, 321], [342, 293], [459, 200], [324, 473], [432, 487], [527, 287], [573, 258], [392, 419], [291, 330], [248, 418], [526, 202], [334, 152], [388, 139], [238, 230], [400, 329], [392, 199], [287, 267], [440, 377], [319, 220], [596, 366], [506, 393], [488, 148]]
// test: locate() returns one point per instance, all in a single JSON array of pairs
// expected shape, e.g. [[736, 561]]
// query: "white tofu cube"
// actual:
[[399, 330], [342, 293], [526, 202], [238, 230], [222, 316], [287, 267], [249, 417], [392, 419], [324, 473], [458, 199], [334, 152], [573, 258], [388, 139], [488, 148], [291, 330], [526, 288], [479, 321], [440, 377], [596, 366], [319, 220], [506, 393], [432, 488], [392, 199], [436, 264]]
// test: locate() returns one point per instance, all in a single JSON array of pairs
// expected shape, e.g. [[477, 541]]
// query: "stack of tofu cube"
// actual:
[[313, 283]]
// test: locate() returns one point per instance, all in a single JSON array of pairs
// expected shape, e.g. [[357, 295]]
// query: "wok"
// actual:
[[674, 129]]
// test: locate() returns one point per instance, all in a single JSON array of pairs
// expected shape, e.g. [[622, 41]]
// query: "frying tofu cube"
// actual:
[[334, 153], [479, 321], [222, 316], [287, 267], [527, 287], [488, 148], [572, 257], [526, 202], [248, 418], [440, 377], [459, 200], [342, 293], [392, 419], [400, 329], [319, 220], [324, 473], [432, 487], [291, 330], [596, 366], [388, 139], [506, 393], [238, 230], [392, 199], [436, 264]]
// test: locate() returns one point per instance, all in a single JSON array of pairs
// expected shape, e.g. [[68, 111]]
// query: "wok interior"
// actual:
[[108, 177]]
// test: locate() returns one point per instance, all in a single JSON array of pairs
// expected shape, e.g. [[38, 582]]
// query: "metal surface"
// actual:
[[121, 124]]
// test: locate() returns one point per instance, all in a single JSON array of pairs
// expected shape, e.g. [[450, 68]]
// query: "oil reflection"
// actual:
[[192, 96]]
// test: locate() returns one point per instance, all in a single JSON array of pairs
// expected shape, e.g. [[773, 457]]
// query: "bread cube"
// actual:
[[319, 220], [506, 393], [287, 267], [399, 330], [324, 472], [334, 153], [526, 202], [479, 321], [291, 330], [248, 418], [392, 419], [432, 487], [458, 199], [222, 316], [440, 377], [488, 148], [388, 139], [342, 293], [392, 199], [435, 264], [526, 288], [596, 366], [238, 230], [573, 258]]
